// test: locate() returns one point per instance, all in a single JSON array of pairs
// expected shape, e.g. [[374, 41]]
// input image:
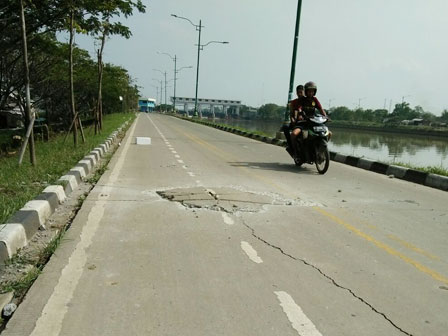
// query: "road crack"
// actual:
[[334, 282]]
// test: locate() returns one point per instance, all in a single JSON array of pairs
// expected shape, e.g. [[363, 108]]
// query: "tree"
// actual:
[[444, 116], [102, 27], [271, 112]]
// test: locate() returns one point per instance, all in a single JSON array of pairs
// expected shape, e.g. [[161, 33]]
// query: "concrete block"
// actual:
[[104, 147], [340, 158], [92, 159], [396, 171], [71, 183], [415, 176], [58, 191], [379, 167], [96, 154], [43, 209], [12, 238], [437, 181], [77, 171], [51, 198], [29, 220], [100, 150], [365, 163], [86, 164]]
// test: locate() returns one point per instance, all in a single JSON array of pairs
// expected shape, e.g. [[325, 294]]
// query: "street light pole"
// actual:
[[197, 70], [294, 56], [200, 47]]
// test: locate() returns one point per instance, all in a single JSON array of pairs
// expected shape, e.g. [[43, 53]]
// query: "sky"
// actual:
[[372, 54]]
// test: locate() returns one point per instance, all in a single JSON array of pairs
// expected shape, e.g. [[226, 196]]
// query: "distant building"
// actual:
[[146, 104]]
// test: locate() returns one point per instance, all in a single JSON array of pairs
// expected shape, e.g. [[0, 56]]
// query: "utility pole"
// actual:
[[293, 64]]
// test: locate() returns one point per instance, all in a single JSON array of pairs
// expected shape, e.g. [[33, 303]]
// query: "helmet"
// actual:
[[311, 85]]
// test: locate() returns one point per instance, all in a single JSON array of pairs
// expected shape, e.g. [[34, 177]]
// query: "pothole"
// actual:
[[225, 199]]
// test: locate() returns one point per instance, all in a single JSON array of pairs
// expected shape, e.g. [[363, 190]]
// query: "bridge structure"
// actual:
[[210, 107]]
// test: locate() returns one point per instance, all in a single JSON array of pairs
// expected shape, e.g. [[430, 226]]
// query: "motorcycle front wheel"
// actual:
[[322, 160]]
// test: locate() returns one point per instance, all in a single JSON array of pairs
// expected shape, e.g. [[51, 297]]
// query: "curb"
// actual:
[[23, 224], [407, 174]]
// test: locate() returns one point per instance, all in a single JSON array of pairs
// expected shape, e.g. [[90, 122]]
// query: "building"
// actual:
[[146, 104]]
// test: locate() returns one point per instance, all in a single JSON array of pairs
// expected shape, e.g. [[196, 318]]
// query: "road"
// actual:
[[204, 232]]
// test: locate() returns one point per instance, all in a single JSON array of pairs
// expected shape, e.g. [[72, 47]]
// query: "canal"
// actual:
[[416, 150]]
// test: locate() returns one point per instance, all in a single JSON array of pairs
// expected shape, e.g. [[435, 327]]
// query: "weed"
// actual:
[[20, 287]]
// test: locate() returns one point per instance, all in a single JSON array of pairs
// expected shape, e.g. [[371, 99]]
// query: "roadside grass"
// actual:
[[20, 184]]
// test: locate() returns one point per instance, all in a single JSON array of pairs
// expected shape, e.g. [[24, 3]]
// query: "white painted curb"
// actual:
[[58, 190], [13, 237]]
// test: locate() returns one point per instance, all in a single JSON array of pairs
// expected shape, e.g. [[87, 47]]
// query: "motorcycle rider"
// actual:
[[293, 115], [305, 106]]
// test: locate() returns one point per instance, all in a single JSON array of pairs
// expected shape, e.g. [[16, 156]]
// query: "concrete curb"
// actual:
[[411, 175], [21, 227]]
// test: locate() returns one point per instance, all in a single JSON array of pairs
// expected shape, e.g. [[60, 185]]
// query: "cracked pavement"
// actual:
[[186, 237]]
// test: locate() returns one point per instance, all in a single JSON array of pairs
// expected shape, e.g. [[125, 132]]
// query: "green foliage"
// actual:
[[271, 112]]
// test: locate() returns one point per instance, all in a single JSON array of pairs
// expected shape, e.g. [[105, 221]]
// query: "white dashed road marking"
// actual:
[[296, 316], [227, 219], [251, 253]]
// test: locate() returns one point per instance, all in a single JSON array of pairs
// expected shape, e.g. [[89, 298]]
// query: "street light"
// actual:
[[176, 71], [200, 47], [161, 88], [163, 73]]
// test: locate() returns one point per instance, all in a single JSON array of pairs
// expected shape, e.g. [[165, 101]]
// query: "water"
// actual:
[[386, 147]]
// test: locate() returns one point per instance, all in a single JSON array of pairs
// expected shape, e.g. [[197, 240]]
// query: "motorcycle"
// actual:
[[312, 143]]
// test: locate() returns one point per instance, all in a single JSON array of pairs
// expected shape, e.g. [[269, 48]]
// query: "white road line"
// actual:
[[251, 253], [191, 174], [177, 156], [296, 316], [184, 167], [180, 161], [173, 151], [227, 219]]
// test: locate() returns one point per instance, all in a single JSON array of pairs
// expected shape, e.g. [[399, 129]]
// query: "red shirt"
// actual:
[[305, 106]]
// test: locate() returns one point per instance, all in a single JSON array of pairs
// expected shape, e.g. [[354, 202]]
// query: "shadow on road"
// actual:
[[277, 166]]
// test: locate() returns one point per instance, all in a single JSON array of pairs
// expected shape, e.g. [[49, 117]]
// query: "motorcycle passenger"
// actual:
[[293, 115], [306, 107]]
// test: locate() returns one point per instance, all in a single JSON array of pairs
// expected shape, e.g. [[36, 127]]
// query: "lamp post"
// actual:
[[200, 47], [164, 74], [176, 71], [161, 88], [293, 64]]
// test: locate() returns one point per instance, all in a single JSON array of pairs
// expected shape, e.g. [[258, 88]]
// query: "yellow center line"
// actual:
[[384, 246], [413, 247], [218, 152]]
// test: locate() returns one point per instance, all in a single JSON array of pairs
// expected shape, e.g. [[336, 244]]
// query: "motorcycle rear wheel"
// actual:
[[322, 160]]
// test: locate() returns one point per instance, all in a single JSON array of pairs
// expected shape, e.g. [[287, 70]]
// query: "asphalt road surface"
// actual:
[[204, 232]]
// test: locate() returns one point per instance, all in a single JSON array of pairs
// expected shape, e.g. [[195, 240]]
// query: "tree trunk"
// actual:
[[72, 90], [29, 119]]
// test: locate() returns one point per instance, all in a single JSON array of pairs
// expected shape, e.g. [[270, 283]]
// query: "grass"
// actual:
[[20, 184]]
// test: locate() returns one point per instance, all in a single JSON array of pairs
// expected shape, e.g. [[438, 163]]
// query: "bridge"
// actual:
[[210, 107]]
